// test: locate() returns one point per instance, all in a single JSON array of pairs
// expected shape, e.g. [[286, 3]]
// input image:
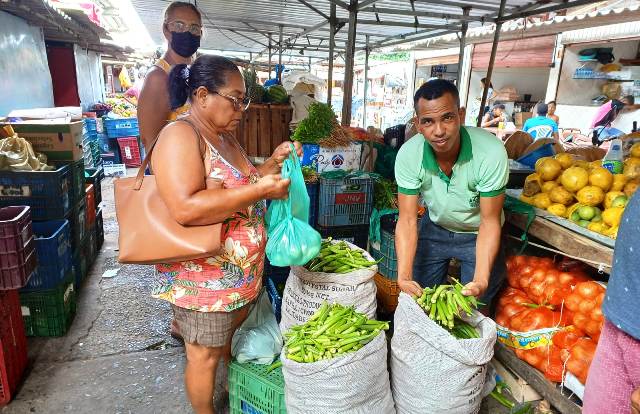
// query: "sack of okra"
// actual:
[[356, 382], [457, 367], [306, 290]]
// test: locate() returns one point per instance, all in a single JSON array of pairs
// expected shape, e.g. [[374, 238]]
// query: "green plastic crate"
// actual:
[[253, 390], [388, 265], [77, 179], [49, 312], [78, 223]]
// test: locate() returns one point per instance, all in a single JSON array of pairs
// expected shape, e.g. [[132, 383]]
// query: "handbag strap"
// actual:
[[147, 158]]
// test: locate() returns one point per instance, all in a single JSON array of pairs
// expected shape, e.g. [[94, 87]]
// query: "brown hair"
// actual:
[[178, 5]]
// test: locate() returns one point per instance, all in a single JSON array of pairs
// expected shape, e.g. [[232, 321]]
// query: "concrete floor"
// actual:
[[117, 356]]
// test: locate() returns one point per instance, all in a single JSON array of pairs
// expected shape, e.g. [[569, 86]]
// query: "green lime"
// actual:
[[575, 217], [620, 201], [584, 223], [597, 218], [586, 212]]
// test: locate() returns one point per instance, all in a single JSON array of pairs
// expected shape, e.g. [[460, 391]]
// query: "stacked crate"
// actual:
[[91, 143], [344, 208], [18, 260], [123, 140], [386, 279]]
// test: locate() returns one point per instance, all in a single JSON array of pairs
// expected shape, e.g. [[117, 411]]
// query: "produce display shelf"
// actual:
[[566, 240], [560, 398]]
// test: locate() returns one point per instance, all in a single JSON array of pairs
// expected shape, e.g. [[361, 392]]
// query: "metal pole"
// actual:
[[349, 59], [332, 36], [494, 50], [366, 75], [463, 41], [280, 56], [269, 56]]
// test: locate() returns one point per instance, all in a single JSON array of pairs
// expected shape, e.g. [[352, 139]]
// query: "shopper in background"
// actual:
[[182, 27], [613, 385], [495, 116], [461, 173], [551, 106], [541, 126], [210, 296]]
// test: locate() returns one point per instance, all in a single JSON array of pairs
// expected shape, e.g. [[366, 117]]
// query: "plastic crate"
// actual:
[[99, 230], [252, 388], [13, 345], [388, 266], [387, 293], [313, 190], [95, 176], [91, 125], [77, 179], [18, 256], [80, 268], [49, 312], [130, 151], [530, 159], [358, 235], [90, 248], [78, 224], [46, 192], [345, 201], [90, 203], [54, 254], [118, 128], [275, 296]]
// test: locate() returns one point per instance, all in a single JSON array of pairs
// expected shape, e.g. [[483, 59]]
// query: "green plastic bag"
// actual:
[[291, 240]]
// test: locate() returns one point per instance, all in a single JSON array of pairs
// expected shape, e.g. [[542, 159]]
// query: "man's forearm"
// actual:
[[406, 244], [487, 247]]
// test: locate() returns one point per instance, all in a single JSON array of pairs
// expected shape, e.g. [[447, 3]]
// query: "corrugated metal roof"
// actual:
[[244, 25], [621, 22]]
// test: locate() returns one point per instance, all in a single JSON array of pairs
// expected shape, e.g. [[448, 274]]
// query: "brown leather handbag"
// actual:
[[148, 232]]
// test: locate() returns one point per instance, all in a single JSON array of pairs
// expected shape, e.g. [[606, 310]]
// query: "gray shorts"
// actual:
[[211, 329]]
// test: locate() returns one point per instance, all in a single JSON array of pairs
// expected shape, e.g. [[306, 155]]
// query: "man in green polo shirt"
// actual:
[[461, 173]]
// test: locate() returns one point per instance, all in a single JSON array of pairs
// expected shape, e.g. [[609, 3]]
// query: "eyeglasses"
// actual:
[[181, 27], [238, 104]]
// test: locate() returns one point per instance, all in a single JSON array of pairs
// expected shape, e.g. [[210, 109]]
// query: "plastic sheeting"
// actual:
[[25, 80], [89, 75]]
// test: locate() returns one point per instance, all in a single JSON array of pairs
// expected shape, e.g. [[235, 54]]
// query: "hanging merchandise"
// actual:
[[291, 240], [258, 339]]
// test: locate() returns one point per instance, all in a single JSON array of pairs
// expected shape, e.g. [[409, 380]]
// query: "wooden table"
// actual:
[[565, 239], [547, 389]]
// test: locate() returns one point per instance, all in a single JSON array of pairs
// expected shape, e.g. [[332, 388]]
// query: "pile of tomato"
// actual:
[[542, 294]]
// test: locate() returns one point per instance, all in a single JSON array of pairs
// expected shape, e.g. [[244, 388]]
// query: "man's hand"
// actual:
[[635, 401], [475, 288], [410, 287]]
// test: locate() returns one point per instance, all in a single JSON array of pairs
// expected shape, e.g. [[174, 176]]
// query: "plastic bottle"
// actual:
[[613, 160]]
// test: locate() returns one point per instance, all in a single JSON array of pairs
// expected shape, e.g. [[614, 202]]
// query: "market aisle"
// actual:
[[117, 357]]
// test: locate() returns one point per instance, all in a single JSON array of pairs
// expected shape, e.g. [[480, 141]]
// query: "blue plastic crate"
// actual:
[[312, 190], [78, 225], [54, 254], [91, 124], [275, 297], [77, 178], [46, 192], [120, 128], [530, 159], [345, 201]]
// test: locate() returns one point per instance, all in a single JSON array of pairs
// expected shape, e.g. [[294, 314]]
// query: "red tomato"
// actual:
[[512, 309], [584, 350], [600, 298], [593, 328], [502, 320], [537, 319], [532, 358], [552, 277], [578, 368], [524, 280], [567, 337], [520, 261], [557, 294], [566, 318], [536, 289], [555, 366], [513, 280], [586, 306], [572, 302], [566, 279], [546, 263], [510, 263], [596, 314], [538, 275], [589, 290], [580, 321]]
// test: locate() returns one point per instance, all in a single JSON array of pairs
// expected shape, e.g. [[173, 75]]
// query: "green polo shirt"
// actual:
[[481, 170]]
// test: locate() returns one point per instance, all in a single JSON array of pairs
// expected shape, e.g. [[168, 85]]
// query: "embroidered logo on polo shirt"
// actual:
[[475, 201]]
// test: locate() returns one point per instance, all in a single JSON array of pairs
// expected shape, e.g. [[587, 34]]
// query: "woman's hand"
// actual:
[[274, 187], [282, 152]]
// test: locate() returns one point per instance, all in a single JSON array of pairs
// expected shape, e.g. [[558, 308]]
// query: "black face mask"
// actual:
[[185, 44]]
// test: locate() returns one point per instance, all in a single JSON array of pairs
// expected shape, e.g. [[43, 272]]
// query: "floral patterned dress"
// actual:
[[232, 279]]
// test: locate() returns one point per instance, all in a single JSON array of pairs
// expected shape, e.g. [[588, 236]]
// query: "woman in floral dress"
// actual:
[[209, 296]]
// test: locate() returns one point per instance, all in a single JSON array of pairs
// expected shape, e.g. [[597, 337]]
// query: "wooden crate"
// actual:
[[263, 128]]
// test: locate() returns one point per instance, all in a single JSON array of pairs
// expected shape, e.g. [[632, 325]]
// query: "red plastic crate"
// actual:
[[13, 345], [18, 258], [130, 151], [91, 205]]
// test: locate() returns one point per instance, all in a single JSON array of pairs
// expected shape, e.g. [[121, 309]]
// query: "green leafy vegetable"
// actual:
[[317, 125]]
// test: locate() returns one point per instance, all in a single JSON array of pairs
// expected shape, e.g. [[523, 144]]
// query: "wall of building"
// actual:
[[25, 82]]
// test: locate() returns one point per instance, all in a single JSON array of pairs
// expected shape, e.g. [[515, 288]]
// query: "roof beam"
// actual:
[[365, 3], [423, 37], [547, 9], [246, 37], [444, 16], [314, 9], [450, 3], [409, 24]]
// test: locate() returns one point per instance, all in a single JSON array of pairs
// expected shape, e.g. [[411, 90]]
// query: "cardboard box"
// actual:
[[341, 158], [521, 117], [59, 141], [520, 389]]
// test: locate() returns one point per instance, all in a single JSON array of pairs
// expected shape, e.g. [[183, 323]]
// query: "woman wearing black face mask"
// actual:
[[182, 28]]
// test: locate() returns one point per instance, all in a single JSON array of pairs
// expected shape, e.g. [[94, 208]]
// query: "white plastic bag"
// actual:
[[306, 291], [357, 382], [432, 372], [258, 339]]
